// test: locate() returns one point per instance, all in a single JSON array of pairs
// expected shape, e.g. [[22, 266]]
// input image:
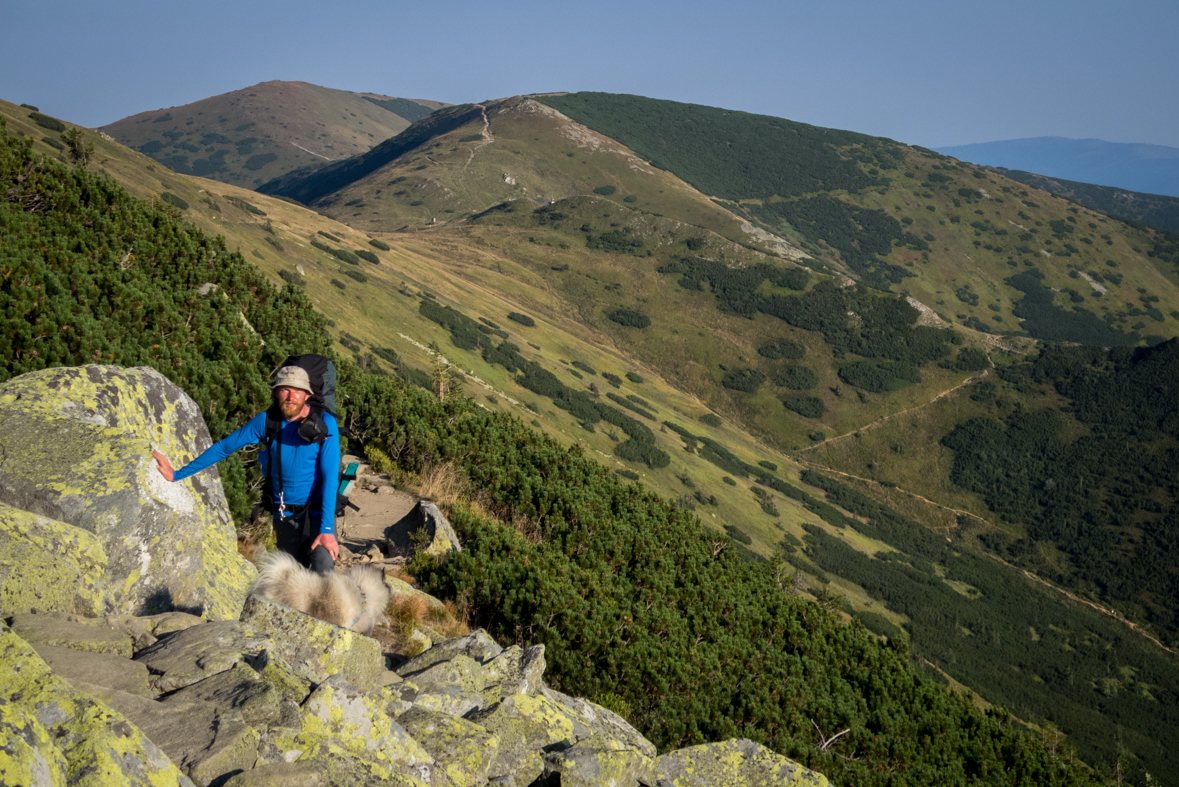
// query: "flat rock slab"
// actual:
[[91, 636], [189, 656], [282, 774], [315, 649], [99, 745], [601, 721], [239, 689], [738, 762], [145, 630], [102, 669], [205, 741], [599, 760], [477, 645], [49, 566], [462, 750]]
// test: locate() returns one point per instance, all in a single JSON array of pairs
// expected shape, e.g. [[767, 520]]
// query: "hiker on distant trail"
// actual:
[[300, 458]]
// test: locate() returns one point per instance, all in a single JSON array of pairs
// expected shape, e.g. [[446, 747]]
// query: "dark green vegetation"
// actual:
[[631, 597], [1104, 500], [1106, 685], [794, 158], [1154, 209], [93, 275], [1046, 320]]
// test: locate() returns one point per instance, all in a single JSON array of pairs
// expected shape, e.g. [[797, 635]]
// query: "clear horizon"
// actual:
[[918, 72]]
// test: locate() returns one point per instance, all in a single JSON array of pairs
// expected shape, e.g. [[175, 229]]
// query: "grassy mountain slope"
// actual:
[[512, 260], [1155, 209], [254, 134]]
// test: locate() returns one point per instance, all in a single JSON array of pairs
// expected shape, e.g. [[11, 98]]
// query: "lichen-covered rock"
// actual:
[[515, 671], [102, 669], [49, 566], [315, 649], [462, 750], [206, 742], [601, 721], [99, 745], [281, 774], [477, 645], [338, 720], [737, 762], [598, 761], [91, 466], [451, 700], [524, 726], [200, 652], [27, 753], [461, 672], [85, 634], [425, 516], [240, 689], [144, 630]]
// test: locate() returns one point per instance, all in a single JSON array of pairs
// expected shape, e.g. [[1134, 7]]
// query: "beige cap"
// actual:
[[293, 377]]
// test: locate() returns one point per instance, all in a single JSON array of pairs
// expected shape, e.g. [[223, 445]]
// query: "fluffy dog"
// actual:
[[353, 600]]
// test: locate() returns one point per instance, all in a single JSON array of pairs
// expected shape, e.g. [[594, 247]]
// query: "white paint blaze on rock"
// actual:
[[75, 446]]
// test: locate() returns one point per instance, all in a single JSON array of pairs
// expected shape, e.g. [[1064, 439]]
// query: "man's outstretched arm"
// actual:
[[252, 432]]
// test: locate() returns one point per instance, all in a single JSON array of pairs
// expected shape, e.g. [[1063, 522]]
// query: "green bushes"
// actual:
[[356, 276], [174, 201], [329, 236], [53, 143], [380, 244], [634, 378], [44, 121], [471, 138], [613, 379], [243, 205], [782, 350], [368, 256], [744, 380], [879, 376], [710, 419], [797, 378], [259, 160], [585, 367], [417, 203], [523, 319], [630, 318], [807, 407], [292, 278], [605, 191], [339, 284]]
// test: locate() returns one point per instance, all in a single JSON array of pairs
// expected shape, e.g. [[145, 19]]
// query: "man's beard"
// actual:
[[290, 409]]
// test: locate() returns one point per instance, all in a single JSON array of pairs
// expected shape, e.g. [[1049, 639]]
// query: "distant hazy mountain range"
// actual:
[[1153, 169]]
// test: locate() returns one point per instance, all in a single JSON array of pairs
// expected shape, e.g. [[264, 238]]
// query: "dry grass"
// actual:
[[406, 613], [444, 484], [409, 613]]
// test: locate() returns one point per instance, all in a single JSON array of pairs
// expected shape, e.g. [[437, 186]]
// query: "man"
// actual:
[[303, 478]]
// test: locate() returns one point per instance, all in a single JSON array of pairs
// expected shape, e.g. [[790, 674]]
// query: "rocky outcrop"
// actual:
[[49, 566], [163, 545], [226, 703]]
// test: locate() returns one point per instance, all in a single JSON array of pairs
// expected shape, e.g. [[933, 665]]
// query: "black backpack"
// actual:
[[322, 374]]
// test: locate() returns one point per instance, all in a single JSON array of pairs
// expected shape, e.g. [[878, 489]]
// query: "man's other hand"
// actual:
[[163, 465], [328, 542]]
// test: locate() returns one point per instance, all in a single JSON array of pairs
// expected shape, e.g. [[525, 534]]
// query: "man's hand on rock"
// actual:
[[165, 467], [328, 542]]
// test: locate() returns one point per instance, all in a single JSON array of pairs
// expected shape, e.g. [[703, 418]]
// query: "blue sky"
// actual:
[[925, 73]]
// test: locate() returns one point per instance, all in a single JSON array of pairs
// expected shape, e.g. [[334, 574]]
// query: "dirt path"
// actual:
[[312, 152], [879, 421], [487, 136], [380, 505]]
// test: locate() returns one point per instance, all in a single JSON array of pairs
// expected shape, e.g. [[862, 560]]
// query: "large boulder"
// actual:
[[598, 760], [737, 762], [54, 723], [463, 751], [194, 654], [315, 649], [166, 544], [439, 538], [49, 566]]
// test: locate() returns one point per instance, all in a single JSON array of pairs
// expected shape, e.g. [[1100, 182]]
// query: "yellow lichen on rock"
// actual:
[[49, 566], [98, 745], [91, 467]]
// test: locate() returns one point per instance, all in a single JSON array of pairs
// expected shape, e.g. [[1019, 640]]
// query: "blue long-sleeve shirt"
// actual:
[[307, 468]]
